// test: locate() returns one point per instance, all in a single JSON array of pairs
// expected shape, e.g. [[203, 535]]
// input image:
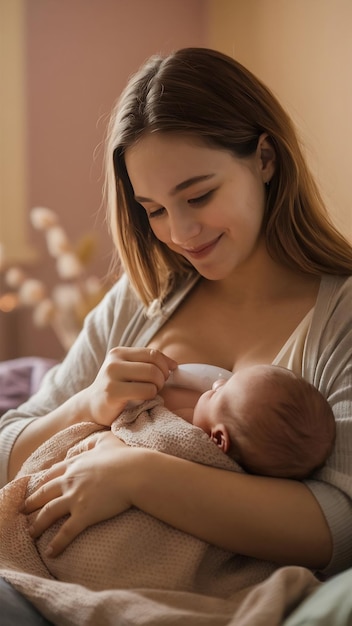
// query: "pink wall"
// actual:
[[79, 56]]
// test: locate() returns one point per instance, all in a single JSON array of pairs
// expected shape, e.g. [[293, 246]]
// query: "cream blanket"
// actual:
[[134, 569]]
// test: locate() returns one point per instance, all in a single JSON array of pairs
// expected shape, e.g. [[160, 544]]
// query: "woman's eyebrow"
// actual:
[[180, 187]]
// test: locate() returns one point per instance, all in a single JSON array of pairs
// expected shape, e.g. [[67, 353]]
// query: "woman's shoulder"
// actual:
[[107, 321], [120, 296], [335, 293], [330, 334], [337, 284]]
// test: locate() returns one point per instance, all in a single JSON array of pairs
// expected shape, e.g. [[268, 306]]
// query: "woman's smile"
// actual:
[[203, 250]]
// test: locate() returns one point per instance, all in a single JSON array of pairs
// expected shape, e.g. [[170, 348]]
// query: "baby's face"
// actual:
[[225, 398], [210, 406], [241, 395]]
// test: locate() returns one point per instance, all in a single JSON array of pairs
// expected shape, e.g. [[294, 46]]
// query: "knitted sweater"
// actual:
[[120, 319]]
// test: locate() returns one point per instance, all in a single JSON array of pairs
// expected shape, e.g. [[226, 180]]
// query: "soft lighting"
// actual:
[[8, 302], [68, 302]]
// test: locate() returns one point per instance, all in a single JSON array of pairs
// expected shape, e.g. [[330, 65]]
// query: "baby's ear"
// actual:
[[219, 434]]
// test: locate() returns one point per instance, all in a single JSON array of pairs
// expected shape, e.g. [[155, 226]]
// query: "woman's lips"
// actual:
[[202, 251]]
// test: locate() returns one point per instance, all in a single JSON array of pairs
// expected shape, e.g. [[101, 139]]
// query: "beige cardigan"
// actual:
[[120, 319]]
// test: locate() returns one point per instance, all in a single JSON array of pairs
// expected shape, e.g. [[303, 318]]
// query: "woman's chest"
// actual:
[[231, 337]]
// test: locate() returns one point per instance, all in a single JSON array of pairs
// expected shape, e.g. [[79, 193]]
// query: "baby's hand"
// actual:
[[127, 375]]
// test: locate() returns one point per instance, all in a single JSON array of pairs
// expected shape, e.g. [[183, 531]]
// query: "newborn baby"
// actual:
[[266, 418]]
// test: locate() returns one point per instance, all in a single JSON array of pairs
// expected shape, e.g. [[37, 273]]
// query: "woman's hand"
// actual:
[[127, 375], [90, 487]]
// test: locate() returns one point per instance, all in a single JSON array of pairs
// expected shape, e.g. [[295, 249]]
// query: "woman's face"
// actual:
[[202, 202]]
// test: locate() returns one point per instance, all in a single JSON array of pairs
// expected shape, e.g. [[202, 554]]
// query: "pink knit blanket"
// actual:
[[134, 569]]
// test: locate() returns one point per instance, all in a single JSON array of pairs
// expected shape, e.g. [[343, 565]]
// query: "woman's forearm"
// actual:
[[73, 411], [272, 519]]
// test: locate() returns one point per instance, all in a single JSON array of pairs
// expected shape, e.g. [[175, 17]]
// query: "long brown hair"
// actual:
[[209, 95]]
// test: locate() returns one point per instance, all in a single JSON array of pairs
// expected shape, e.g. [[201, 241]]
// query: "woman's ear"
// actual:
[[267, 157], [219, 434]]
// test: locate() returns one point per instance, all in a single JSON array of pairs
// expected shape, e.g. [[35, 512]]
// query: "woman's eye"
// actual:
[[155, 213], [201, 199]]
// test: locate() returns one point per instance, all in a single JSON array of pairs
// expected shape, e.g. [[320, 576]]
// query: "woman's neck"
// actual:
[[262, 280]]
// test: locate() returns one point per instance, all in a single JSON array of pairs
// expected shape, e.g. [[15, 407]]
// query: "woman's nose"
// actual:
[[183, 227]]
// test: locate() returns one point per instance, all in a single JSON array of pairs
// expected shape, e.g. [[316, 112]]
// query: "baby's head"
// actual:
[[269, 420]]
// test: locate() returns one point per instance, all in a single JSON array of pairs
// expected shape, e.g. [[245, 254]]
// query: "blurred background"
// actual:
[[63, 65]]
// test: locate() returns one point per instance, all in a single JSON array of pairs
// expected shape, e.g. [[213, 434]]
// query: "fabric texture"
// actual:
[[329, 605], [135, 551], [16, 610], [120, 319], [21, 378]]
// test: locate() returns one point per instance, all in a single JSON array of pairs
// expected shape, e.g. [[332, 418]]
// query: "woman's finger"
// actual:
[[50, 487], [68, 531], [47, 516], [163, 362], [86, 444], [43, 495], [142, 356]]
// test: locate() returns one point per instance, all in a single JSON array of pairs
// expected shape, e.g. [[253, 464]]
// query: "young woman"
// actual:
[[229, 259]]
